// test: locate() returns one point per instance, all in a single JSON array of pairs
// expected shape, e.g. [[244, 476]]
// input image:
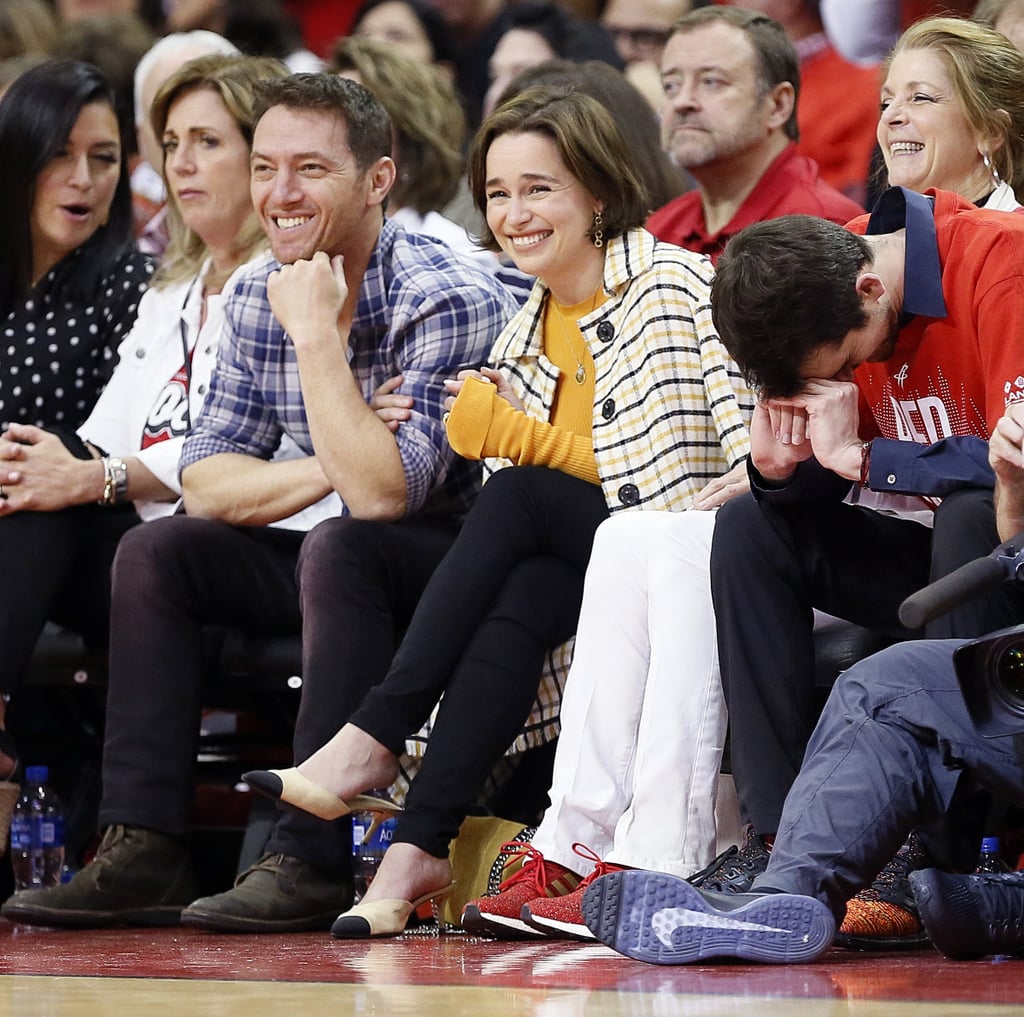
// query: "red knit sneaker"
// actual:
[[499, 914], [562, 917]]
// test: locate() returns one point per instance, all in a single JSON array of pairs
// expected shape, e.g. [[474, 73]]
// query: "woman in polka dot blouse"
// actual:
[[70, 279], [67, 497]]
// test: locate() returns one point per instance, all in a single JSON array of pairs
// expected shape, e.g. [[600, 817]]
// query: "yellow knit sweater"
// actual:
[[483, 425]]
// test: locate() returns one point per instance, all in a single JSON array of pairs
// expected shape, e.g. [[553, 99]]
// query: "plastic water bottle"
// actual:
[[37, 832], [366, 857], [990, 859]]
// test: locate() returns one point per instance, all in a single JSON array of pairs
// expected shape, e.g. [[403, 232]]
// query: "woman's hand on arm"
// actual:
[[390, 405], [724, 488]]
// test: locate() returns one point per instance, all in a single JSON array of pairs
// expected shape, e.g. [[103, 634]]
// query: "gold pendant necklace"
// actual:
[[581, 371]]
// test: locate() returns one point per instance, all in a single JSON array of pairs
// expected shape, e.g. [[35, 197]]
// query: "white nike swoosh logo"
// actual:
[[667, 920]]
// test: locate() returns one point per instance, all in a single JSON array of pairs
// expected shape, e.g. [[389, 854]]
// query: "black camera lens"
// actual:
[[1008, 676]]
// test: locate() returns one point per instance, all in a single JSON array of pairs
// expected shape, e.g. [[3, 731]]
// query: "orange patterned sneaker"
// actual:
[[873, 924], [884, 916], [500, 914], [562, 917]]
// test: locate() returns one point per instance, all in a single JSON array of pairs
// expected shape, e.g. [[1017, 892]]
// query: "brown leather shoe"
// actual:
[[138, 877], [277, 894]]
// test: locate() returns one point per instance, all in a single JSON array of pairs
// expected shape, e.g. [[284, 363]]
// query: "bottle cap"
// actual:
[[990, 845], [37, 774]]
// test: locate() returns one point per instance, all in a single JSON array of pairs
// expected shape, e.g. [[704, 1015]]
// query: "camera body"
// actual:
[[991, 675]]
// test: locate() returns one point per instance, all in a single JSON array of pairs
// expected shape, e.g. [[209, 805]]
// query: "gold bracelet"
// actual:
[[115, 480]]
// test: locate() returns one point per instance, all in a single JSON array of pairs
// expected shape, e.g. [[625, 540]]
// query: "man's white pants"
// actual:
[[643, 717]]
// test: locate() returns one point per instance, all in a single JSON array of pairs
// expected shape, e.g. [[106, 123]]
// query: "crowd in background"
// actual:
[[417, 328]]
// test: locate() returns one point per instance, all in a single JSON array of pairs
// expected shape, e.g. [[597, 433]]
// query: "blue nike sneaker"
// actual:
[[663, 919]]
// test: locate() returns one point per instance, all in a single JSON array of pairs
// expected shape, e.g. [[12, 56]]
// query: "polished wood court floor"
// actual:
[[125, 973]]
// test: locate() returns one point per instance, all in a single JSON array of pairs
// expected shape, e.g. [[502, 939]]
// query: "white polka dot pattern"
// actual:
[[54, 381]]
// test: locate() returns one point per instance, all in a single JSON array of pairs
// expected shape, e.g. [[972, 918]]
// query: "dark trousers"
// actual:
[[55, 567], [337, 585], [359, 583], [507, 592], [894, 745], [772, 564]]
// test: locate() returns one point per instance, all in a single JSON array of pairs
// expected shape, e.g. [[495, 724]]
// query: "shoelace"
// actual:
[[737, 860], [270, 863], [892, 884], [1002, 914], [601, 867], [732, 863], [533, 867], [1001, 878], [113, 836]]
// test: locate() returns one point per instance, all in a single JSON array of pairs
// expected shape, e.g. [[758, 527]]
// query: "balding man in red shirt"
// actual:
[[731, 79]]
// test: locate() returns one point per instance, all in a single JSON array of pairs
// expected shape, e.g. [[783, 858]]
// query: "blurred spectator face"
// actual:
[[76, 10], [185, 15], [780, 10], [517, 49], [1011, 24], [395, 25], [713, 108], [924, 134], [463, 15], [149, 145], [641, 27]]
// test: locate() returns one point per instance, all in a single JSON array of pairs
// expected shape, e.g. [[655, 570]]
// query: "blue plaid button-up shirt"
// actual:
[[424, 312]]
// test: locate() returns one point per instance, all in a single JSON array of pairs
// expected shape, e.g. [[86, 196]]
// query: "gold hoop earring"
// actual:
[[597, 234]]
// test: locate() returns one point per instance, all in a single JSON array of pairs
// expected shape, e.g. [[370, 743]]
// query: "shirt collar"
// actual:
[[899, 208], [372, 309], [781, 176], [627, 256]]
